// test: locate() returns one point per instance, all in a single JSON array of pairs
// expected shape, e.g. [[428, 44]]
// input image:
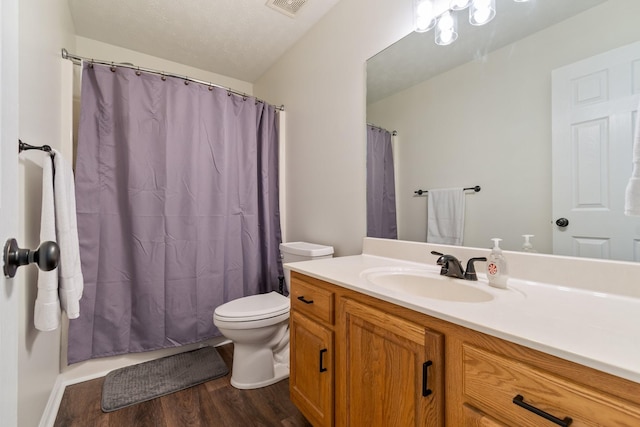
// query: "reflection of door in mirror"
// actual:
[[595, 102], [381, 194]]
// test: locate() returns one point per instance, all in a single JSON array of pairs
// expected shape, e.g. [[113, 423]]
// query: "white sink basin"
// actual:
[[425, 283]]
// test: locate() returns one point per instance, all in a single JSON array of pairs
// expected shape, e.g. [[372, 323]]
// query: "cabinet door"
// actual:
[[392, 373], [311, 375]]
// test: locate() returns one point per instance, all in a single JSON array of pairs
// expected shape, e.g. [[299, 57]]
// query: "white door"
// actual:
[[8, 207], [595, 104]]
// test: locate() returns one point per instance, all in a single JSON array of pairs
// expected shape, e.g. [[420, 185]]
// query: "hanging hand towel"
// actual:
[[445, 216], [46, 313], [69, 271], [632, 193]]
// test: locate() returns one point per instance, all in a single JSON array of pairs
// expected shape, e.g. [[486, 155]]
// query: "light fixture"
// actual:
[[424, 17], [440, 14], [482, 11], [459, 4], [446, 29]]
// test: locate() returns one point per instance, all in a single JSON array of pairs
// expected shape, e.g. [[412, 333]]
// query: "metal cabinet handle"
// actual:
[[306, 301], [47, 257], [426, 391], [519, 400], [322, 352]]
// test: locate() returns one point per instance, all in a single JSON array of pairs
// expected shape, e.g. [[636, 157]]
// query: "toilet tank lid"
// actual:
[[306, 249]]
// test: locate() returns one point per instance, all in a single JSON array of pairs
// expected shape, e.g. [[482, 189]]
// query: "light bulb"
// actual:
[[446, 29], [482, 11], [445, 22], [481, 16], [424, 18], [424, 8]]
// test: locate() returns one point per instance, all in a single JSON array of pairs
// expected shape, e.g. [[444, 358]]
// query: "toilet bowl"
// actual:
[[258, 325]]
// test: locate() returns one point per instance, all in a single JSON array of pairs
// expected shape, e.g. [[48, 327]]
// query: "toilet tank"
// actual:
[[302, 251]]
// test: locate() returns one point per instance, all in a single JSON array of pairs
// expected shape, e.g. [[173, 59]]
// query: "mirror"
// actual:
[[479, 112]]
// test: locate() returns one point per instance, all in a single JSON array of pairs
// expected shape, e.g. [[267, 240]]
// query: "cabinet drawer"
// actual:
[[496, 384], [310, 298]]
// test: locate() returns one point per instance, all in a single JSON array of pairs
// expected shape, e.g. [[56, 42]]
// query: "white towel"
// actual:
[[46, 313], [632, 193], [445, 216], [69, 271], [60, 288]]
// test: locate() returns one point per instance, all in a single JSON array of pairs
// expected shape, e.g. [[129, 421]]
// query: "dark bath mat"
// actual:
[[145, 381]]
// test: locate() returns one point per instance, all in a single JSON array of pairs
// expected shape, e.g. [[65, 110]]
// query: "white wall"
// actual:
[[44, 28], [482, 124], [321, 82]]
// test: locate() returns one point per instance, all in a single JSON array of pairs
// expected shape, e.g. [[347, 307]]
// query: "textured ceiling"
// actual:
[[235, 38]]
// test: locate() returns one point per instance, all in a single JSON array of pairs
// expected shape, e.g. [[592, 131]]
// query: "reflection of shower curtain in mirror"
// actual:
[[177, 204], [381, 193]]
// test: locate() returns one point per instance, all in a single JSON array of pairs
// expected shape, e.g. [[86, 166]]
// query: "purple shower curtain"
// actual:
[[177, 203], [381, 192]]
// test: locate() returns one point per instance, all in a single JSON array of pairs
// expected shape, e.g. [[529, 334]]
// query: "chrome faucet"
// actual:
[[451, 267]]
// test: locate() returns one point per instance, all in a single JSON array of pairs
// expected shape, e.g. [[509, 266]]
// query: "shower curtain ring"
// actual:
[[163, 77], [113, 68], [186, 80], [210, 87], [138, 73]]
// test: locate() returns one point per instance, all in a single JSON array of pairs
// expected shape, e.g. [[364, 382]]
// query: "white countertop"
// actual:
[[591, 328]]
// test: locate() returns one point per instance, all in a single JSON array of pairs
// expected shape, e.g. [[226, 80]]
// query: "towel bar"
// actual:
[[476, 189], [23, 146]]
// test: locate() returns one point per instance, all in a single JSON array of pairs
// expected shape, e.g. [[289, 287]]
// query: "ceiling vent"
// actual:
[[288, 7]]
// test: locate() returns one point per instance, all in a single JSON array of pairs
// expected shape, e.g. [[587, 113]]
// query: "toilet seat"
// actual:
[[254, 307]]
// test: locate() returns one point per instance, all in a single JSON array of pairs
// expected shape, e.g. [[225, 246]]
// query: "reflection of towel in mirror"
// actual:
[[445, 216], [632, 194]]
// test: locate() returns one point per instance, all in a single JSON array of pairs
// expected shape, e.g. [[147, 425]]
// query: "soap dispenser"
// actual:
[[497, 266], [527, 246]]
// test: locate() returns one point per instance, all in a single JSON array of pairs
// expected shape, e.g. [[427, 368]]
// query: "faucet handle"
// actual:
[[470, 272]]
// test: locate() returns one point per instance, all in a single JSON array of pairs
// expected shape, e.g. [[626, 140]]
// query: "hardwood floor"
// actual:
[[214, 403]]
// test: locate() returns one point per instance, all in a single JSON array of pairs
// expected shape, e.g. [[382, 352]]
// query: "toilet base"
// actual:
[[281, 372], [261, 364]]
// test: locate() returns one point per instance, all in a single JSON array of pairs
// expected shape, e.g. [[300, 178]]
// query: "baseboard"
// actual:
[[51, 410]]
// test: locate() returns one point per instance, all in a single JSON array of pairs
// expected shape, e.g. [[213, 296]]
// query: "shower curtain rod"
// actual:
[[393, 132], [77, 60]]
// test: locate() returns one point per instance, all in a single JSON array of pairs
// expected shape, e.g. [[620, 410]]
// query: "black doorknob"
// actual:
[[46, 257], [562, 222]]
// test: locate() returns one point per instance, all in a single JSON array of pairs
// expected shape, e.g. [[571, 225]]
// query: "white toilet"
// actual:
[[258, 325]]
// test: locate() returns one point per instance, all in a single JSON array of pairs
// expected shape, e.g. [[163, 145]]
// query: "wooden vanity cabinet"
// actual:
[[384, 369], [391, 369], [311, 379], [525, 395], [380, 357]]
